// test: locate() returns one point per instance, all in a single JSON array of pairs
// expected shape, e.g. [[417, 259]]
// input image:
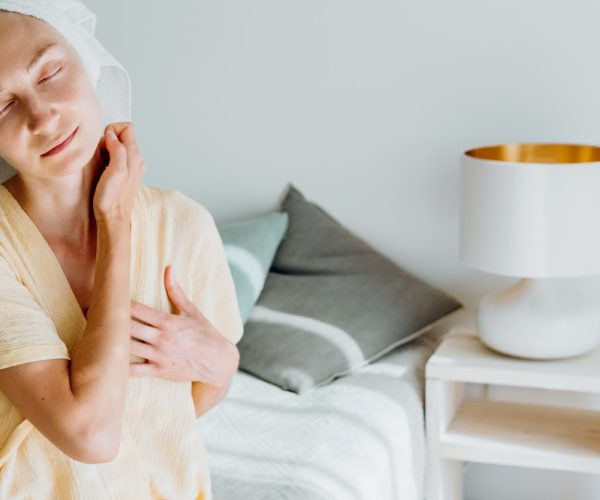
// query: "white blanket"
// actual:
[[361, 437]]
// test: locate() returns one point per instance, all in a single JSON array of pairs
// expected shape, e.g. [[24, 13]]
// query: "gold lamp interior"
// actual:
[[538, 153]]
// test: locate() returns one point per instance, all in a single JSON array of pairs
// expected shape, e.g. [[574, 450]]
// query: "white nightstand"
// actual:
[[462, 429]]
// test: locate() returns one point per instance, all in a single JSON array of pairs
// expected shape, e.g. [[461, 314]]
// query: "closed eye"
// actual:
[[4, 110], [52, 75]]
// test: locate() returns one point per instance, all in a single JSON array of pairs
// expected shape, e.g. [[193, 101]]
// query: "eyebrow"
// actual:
[[37, 56]]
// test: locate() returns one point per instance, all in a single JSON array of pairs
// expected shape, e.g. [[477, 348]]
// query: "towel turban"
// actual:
[[77, 24]]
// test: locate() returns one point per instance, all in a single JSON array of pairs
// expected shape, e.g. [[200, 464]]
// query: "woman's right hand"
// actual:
[[117, 186]]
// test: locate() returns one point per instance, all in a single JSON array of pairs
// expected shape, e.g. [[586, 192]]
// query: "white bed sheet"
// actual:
[[360, 437]]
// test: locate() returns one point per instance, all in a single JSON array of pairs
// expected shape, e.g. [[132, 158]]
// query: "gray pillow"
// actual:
[[331, 304], [250, 246]]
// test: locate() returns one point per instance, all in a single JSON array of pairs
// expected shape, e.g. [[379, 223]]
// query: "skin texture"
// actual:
[[81, 207], [81, 203], [183, 346], [56, 191], [40, 111]]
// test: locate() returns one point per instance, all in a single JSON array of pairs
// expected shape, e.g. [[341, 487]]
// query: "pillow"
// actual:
[[250, 246], [331, 304]]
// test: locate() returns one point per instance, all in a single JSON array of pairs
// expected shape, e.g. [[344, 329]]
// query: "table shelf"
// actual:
[[463, 358], [462, 429], [524, 435]]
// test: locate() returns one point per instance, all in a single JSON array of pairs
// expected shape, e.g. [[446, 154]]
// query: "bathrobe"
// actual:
[[162, 452]]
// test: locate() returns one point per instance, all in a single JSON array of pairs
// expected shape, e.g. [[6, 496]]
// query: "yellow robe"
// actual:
[[162, 452]]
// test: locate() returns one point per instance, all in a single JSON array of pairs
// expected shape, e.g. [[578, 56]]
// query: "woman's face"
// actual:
[[44, 103]]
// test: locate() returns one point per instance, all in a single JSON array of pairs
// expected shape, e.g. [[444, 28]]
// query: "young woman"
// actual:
[[106, 360]]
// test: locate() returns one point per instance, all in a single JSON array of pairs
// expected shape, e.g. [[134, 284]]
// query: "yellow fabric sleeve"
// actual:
[[27, 332], [212, 287]]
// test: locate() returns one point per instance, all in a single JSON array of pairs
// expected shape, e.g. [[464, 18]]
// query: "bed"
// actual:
[[360, 437]]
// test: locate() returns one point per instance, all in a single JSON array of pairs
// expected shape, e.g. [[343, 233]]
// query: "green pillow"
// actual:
[[250, 247]]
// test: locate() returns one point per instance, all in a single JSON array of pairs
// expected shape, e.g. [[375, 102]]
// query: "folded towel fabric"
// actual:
[[77, 24]]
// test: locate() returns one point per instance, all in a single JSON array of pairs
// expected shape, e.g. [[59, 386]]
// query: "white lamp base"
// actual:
[[538, 319]]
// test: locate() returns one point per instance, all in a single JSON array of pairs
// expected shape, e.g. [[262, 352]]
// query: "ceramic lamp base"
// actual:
[[538, 319]]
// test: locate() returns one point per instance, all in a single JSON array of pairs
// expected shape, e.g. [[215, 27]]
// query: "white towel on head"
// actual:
[[77, 24]]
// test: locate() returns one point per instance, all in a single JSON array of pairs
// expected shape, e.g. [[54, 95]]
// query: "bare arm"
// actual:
[[79, 405], [100, 362], [207, 396]]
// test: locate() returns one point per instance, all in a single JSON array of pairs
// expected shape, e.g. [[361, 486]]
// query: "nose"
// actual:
[[43, 117]]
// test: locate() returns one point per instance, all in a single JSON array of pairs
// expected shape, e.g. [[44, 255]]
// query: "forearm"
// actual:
[[207, 396], [100, 362]]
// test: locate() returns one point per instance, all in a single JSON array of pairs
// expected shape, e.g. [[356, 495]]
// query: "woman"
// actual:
[[101, 377]]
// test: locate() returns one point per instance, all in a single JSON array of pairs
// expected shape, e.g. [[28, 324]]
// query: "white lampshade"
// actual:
[[531, 210]]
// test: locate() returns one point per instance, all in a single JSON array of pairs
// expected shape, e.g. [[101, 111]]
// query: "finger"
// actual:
[[145, 351], [143, 332], [128, 138], [148, 315], [143, 370], [118, 127], [182, 304], [116, 150]]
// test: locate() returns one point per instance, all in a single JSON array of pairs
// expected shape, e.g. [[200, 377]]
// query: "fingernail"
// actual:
[[173, 274]]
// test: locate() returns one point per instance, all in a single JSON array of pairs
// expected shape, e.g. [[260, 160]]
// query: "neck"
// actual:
[[61, 208]]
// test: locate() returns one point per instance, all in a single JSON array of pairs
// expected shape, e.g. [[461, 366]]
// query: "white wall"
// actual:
[[366, 107]]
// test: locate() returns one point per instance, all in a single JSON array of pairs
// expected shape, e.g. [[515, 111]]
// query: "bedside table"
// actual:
[[460, 429]]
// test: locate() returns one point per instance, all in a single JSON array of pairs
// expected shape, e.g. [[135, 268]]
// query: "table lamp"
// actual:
[[532, 211]]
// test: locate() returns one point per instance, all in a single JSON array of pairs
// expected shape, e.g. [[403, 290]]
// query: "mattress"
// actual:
[[360, 437]]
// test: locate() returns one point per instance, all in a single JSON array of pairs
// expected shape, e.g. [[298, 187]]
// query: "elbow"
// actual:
[[97, 447], [99, 451], [98, 455]]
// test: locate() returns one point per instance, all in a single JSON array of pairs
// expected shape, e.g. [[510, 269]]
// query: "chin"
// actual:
[[77, 156]]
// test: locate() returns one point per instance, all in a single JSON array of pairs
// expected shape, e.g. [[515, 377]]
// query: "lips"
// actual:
[[61, 144]]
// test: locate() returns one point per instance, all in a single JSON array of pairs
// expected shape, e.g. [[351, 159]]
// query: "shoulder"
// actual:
[[175, 215], [171, 204]]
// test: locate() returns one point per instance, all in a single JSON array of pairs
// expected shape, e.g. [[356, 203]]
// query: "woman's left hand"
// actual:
[[183, 346]]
